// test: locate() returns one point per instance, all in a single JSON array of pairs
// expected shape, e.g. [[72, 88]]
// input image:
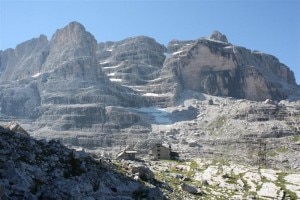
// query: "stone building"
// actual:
[[127, 154], [159, 151]]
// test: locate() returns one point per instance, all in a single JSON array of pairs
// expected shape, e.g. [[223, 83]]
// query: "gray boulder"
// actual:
[[189, 188], [14, 126], [143, 172]]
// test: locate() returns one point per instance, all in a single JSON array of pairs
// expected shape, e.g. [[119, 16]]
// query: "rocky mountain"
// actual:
[[60, 82], [214, 66], [104, 96]]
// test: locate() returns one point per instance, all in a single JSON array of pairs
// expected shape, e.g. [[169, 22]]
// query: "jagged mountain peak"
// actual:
[[72, 28], [69, 43], [73, 34], [218, 36], [77, 25]]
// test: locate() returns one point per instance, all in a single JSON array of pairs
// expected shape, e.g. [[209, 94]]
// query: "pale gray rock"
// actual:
[[176, 45], [65, 86], [14, 126], [68, 43], [63, 176], [134, 61], [223, 69], [216, 35], [20, 100], [189, 188], [144, 173], [25, 60]]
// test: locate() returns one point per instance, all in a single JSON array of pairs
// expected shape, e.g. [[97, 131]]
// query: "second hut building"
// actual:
[[159, 151]]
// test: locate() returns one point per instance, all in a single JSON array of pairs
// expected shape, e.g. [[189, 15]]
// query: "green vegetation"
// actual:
[[282, 150], [271, 154], [281, 182], [246, 186], [234, 184], [193, 165], [220, 162], [296, 138], [119, 167], [232, 179]]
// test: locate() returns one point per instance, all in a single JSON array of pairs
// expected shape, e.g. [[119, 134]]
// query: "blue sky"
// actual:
[[271, 26]]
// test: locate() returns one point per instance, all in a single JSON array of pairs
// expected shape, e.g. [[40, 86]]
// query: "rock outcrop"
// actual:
[[15, 127], [136, 63], [25, 60], [36, 169], [216, 67], [60, 83], [216, 35]]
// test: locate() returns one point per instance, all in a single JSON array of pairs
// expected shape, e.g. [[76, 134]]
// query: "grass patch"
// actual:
[[246, 186], [193, 165], [220, 161], [272, 153], [295, 138], [232, 180], [282, 150], [119, 167], [281, 182]]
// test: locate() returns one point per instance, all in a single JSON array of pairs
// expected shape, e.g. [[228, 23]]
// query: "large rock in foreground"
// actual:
[[36, 169]]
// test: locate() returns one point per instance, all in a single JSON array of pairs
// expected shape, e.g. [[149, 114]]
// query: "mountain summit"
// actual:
[[216, 35]]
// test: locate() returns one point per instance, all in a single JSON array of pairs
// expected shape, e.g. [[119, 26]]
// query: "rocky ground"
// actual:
[[37, 169], [221, 179]]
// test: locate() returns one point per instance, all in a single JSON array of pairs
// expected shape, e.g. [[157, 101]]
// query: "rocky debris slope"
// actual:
[[195, 127], [221, 179], [37, 169], [230, 128]]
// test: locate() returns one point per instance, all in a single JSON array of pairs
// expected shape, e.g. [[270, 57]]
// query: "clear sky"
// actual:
[[270, 26]]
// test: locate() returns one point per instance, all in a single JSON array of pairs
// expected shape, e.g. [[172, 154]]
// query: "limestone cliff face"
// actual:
[[75, 89], [133, 61], [25, 60], [18, 93], [60, 83], [68, 43], [219, 68], [136, 63]]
